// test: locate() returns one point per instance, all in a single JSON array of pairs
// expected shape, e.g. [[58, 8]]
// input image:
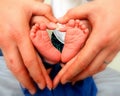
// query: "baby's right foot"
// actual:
[[76, 34], [42, 42]]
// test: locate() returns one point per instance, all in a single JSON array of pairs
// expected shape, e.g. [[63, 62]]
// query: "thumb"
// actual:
[[41, 9], [80, 12]]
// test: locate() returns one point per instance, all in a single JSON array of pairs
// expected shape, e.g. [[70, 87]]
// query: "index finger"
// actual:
[[41, 9]]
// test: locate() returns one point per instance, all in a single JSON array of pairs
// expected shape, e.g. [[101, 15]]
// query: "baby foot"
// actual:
[[76, 34], [42, 42]]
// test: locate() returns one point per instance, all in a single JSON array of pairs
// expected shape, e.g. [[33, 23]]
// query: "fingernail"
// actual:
[[32, 92], [65, 81], [54, 86], [73, 83], [41, 86], [50, 88]]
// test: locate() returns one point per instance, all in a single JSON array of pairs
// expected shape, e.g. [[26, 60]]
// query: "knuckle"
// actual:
[[17, 35], [83, 64], [14, 33], [6, 36], [15, 70], [102, 41], [70, 75], [102, 68], [38, 78], [91, 71], [48, 8], [106, 40], [114, 47], [10, 34], [12, 30], [29, 63]]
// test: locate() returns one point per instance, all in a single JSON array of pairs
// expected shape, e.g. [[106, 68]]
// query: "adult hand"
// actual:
[[16, 45], [102, 45]]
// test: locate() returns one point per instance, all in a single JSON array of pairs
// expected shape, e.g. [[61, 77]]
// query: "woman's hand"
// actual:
[[19, 53], [102, 45]]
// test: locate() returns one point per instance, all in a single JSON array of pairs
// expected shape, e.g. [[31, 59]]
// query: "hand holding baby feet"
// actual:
[[77, 32]]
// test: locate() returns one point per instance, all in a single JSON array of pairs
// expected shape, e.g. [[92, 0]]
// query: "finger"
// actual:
[[57, 79], [80, 12], [29, 55], [45, 74], [114, 49], [93, 67], [15, 64], [31, 62], [49, 70], [41, 9], [51, 26], [77, 78], [110, 57], [98, 64], [102, 67], [54, 26], [39, 20]]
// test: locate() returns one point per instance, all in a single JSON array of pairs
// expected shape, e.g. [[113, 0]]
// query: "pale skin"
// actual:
[[19, 53], [102, 45]]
